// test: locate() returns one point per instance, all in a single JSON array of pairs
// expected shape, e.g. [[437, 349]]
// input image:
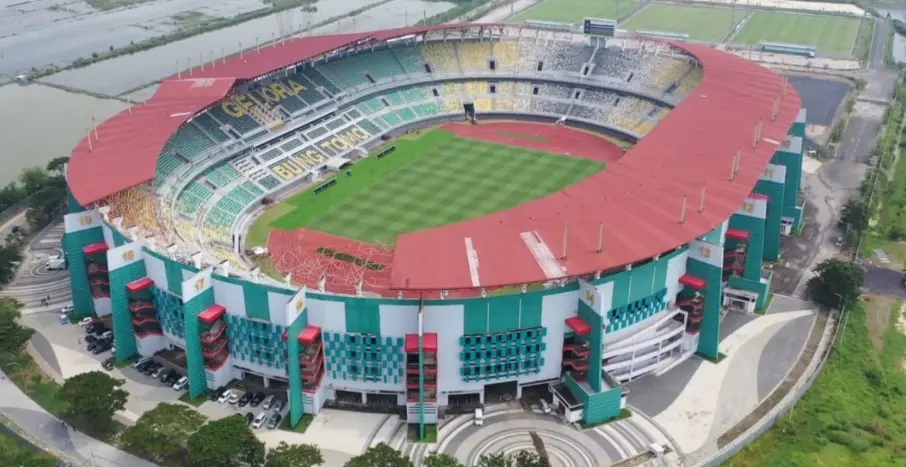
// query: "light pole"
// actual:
[[842, 307], [22, 373]]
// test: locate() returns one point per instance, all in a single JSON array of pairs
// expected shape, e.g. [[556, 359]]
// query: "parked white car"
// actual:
[[85, 321], [225, 396], [259, 420]]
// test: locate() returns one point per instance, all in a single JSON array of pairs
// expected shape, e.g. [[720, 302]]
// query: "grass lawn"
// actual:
[[702, 23], [830, 34], [431, 181], [574, 11], [29, 377], [303, 424], [855, 413]]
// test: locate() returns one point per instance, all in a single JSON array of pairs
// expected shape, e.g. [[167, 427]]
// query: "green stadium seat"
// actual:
[[200, 191], [208, 124], [369, 127], [407, 115], [188, 142], [222, 175], [166, 164], [410, 59], [379, 65], [319, 80], [394, 98], [393, 120], [310, 94], [429, 109], [243, 125], [269, 182]]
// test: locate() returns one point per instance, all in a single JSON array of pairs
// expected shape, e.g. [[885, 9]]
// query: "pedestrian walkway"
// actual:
[[49, 432]]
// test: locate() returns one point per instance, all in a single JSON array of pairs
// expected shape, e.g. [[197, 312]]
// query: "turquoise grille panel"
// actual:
[[123, 330], [364, 357], [487, 357], [256, 342], [78, 276], [637, 311], [170, 312]]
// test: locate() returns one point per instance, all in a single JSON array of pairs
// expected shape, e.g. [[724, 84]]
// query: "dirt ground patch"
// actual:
[[877, 316]]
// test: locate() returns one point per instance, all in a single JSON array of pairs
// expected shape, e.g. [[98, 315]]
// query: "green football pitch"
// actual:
[[434, 180], [830, 34], [701, 23], [574, 11]]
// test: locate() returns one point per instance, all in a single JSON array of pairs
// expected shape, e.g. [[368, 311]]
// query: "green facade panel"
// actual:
[[123, 332], [596, 343], [715, 236], [364, 357], [504, 313], [72, 205], [255, 341], [78, 275], [487, 357], [173, 270], [641, 283], [256, 303], [793, 164], [754, 245], [709, 334], [774, 192], [621, 285], [194, 358], [603, 405], [475, 316], [531, 310], [170, 312], [296, 397], [363, 316]]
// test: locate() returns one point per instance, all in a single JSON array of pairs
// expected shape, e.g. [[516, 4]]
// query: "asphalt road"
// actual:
[[884, 281]]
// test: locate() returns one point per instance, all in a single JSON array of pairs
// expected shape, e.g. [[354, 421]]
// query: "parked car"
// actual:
[[225, 396], [181, 384], [89, 339], [268, 402], [107, 334], [235, 396], [157, 371], [256, 399], [259, 420], [245, 399], [67, 310], [102, 348], [165, 374], [249, 418], [108, 364], [215, 394], [173, 378], [274, 421], [88, 321], [279, 404]]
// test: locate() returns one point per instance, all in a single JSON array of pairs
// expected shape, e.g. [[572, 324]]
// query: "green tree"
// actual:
[[836, 283], [441, 460], [381, 455], [47, 202], [294, 455], [855, 215], [33, 179], [10, 257], [92, 399], [225, 442], [56, 165], [13, 336], [160, 434]]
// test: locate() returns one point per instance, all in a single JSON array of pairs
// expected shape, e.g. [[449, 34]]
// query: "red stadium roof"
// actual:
[[639, 198], [126, 148]]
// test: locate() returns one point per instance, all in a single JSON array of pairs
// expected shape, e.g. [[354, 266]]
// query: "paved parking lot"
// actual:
[[62, 349]]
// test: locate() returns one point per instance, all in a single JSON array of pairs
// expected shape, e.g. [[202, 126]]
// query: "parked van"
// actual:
[[479, 417], [181, 384], [657, 450]]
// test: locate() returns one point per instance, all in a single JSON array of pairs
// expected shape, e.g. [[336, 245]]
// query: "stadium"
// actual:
[[432, 218]]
